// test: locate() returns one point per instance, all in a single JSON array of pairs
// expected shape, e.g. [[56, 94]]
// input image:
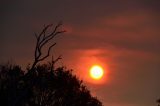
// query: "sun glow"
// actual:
[[96, 72]]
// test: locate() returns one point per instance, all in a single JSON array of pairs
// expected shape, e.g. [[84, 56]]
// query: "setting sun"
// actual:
[[96, 72]]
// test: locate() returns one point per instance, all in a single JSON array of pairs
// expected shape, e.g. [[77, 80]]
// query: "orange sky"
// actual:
[[121, 35]]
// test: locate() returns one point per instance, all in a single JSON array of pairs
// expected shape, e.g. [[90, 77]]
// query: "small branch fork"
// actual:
[[54, 61], [42, 39]]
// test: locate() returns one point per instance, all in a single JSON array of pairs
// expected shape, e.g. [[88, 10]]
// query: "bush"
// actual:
[[43, 86]]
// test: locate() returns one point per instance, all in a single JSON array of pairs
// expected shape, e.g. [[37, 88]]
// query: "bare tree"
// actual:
[[43, 39]]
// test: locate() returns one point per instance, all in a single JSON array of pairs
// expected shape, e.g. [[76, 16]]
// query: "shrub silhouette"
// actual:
[[43, 87]]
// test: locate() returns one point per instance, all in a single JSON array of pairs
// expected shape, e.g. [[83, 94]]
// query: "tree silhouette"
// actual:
[[45, 87], [158, 101], [42, 84]]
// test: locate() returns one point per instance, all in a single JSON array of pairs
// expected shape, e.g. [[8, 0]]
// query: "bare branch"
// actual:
[[54, 61], [48, 39], [45, 29], [48, 52], [42, 40]]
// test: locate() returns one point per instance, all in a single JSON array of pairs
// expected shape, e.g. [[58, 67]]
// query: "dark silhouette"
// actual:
[[42, 39], [158, 101], [43, 85]]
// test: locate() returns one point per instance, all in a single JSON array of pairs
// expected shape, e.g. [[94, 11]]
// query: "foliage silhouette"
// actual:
[[43, 87]]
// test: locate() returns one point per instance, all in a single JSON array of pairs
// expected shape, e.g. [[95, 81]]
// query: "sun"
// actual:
[[96, 72]]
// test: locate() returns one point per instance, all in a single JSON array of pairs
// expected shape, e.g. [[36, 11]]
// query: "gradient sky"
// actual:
[[121, 35]]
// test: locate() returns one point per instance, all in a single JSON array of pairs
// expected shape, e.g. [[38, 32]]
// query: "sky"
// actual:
[[121, 35]]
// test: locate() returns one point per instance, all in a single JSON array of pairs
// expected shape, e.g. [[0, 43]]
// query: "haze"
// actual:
[[123, 35]]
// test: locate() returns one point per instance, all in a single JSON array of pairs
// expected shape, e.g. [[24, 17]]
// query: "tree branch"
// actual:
[[42, 40], [49, 49]]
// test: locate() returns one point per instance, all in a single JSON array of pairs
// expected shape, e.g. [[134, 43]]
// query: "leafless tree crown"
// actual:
[[43, 39]]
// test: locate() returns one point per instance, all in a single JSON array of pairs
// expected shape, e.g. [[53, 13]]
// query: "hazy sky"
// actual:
[[121, 35]]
